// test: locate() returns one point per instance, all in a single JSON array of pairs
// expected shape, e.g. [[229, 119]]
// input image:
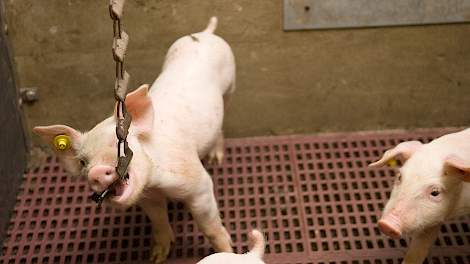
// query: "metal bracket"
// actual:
[[324, 14], [29, 95]]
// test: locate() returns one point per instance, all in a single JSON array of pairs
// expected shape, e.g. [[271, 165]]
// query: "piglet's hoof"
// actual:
[[160, 250], [216, 157]]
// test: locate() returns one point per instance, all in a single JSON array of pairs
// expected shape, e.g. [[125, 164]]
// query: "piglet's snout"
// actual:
[[390, 226], [100, 177]]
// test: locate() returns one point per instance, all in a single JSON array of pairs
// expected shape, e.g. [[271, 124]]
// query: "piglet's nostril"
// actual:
[[109, 172]]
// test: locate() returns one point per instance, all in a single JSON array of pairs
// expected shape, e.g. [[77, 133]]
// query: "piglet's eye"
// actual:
[[435, 193], [83, 162]]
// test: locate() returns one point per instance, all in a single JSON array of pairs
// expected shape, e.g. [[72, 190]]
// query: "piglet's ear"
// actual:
[[139, 105], [404, 149], [67, 152], [460, 164]]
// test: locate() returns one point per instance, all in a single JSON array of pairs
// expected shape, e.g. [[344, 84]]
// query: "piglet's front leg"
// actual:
[[203, 207], [420, 245], [162, 234]]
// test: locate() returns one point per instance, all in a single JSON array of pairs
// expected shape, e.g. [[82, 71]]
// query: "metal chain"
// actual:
[[121, 39], [123, 119]]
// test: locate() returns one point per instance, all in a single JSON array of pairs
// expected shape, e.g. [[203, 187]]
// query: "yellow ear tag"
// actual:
[[392, 162], [62, 142]]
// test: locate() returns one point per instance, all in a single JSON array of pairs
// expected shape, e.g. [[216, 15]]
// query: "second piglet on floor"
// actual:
[[174, 125], [433, 185], [255, 256]]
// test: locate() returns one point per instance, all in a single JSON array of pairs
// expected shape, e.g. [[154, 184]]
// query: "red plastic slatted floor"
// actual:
[[312, 196]]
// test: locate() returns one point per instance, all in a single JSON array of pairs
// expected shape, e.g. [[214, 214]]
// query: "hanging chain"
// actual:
[[120, 41], [123, 119]]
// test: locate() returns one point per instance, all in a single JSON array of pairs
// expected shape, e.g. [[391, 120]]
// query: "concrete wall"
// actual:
[[288, 82]]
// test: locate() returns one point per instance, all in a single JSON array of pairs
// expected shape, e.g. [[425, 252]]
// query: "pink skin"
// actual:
[[390, 225], [431, 187], [174, 125], [123, 190], [100, 177], [400, 219], [254, 256], [396, 221]]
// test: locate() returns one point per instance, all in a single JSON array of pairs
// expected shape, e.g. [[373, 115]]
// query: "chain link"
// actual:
[[123, 119]]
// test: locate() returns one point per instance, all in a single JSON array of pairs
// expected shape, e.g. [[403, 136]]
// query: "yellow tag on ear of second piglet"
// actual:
[[62, 142], [392, 162]]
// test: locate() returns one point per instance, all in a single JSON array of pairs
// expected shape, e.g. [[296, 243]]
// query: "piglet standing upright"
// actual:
[[174, 125], [433, 185]]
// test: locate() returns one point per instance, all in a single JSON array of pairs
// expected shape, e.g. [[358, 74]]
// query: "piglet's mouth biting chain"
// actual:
[[117, 188]]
